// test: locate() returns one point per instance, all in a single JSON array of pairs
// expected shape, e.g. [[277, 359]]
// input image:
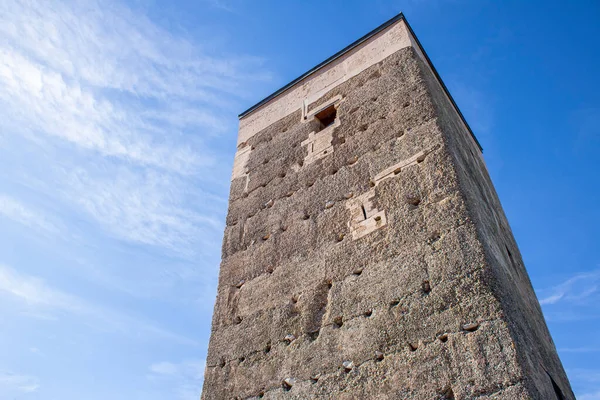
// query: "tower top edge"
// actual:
[[345, 50], [248, 119]]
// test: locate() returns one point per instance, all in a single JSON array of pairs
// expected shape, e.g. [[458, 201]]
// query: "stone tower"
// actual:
[[366, 253]]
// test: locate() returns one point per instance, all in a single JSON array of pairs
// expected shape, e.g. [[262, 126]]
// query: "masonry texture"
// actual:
[[366, 254]]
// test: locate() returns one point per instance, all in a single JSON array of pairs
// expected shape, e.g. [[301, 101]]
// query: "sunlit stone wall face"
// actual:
[[366, 254]]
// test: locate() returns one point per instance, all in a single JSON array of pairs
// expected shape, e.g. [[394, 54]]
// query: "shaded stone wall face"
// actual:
[[511, 283], [372, 271]]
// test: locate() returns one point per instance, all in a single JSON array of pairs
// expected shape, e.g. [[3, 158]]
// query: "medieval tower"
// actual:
[[366, 253]]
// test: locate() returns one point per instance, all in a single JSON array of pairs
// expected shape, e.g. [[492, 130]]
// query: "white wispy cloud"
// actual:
[[578, 288], [587, 381], [15, 210], [114, 136], [585, 375], [66, 109], [164, 368], [590, 395], [34, 291], [585, 350], [147, 207], [184, 378], [111, 46], [222, 5], [39, 297], [11, 384], [125, 114]]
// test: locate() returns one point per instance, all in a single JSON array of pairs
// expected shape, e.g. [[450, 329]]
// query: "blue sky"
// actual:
[[118, 125]]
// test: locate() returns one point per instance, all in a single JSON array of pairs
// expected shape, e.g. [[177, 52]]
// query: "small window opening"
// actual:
[[364, 211], [326, 117]]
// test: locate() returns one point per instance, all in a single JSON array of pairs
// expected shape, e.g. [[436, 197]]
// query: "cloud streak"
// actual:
[[18, 212], [117, 136], [185, 378], [14, 384], [590, 396], [126, 114], [587, 380], [39, 297], [578, 288], [145, 207], [67, 110]]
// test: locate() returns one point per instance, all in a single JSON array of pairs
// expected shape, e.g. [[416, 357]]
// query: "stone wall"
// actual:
[[544, 374], [366, 267]]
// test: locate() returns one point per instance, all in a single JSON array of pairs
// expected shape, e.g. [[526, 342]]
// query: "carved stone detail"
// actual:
[[364, 217]]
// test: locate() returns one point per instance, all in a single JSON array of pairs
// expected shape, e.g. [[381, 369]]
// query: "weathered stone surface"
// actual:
[[380, 266]]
